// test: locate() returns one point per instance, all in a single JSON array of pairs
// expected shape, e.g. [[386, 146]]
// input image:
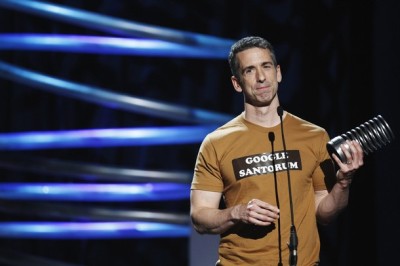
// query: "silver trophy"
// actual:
[[371, 135]]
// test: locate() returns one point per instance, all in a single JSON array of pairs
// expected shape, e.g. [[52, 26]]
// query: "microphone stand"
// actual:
[[293, 234], [271, 137]]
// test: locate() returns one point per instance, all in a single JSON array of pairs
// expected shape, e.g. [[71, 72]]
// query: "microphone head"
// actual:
[[280, 110], [271, 136]]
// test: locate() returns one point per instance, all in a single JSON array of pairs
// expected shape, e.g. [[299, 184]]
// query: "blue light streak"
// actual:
[[92, 172], [107, 45], [94, 192], [110, 99], [115, 25], [91, 230], [103, 137]]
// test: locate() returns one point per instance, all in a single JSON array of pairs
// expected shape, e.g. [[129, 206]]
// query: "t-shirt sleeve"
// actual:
[[324, 174], [206, 174]]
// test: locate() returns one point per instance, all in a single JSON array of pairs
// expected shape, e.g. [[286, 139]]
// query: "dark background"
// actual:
[[340, 63]]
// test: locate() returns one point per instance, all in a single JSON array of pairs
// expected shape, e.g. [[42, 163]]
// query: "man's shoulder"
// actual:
[[234, 125], [301, 122]]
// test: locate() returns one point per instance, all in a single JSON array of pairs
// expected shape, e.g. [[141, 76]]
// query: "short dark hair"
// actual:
[[244, 44]]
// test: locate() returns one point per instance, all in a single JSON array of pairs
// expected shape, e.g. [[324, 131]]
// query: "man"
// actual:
[[244, 165]]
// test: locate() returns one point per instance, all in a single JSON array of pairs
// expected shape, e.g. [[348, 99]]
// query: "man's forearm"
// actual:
[[334, 202], [213, 221]]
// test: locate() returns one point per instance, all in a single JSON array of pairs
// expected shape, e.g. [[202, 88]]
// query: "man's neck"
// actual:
[[266, 116]]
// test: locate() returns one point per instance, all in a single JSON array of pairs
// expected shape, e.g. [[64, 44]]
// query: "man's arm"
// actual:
[[328, 205], [207, 218]]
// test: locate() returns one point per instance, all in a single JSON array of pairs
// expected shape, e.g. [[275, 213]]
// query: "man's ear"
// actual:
[[278, 74], [236, 84]]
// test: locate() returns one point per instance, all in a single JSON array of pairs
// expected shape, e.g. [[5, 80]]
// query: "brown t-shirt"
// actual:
[[237, 160]]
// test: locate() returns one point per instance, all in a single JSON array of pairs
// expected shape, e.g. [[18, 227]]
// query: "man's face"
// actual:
[[259, 77]]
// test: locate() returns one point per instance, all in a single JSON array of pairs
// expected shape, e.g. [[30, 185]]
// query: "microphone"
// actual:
[[293, 234], [271, 137]]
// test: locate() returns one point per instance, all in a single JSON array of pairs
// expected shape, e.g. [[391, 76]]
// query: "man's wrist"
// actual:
[[344, 180]]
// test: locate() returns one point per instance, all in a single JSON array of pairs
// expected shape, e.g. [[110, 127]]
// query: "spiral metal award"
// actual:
[[371, 135]]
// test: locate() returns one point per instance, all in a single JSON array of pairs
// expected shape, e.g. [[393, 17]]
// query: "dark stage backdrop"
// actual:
[[340, 69]]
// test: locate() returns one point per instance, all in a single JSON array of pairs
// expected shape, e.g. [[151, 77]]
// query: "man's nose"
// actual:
[[260, 76]]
